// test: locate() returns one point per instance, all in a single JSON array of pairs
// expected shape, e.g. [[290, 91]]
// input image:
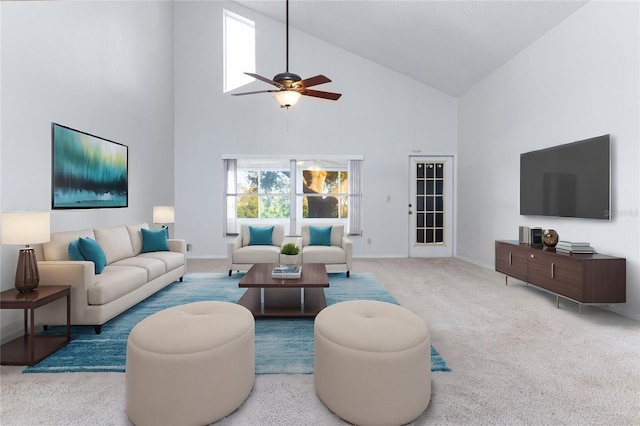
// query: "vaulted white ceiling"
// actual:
[[449, 45]]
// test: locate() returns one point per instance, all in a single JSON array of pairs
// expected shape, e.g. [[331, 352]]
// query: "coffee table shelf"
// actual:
[[269, 297]]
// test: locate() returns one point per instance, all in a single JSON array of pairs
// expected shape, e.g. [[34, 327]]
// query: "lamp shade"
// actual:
[[163, 214], [287, 98], [24, 228]]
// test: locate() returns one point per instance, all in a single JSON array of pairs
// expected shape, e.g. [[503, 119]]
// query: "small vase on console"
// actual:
[[550, 238]]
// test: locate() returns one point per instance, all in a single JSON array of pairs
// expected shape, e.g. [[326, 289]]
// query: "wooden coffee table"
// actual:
[[268, 297]]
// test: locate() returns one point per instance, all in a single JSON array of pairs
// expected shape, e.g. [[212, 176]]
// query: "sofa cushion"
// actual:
[[171, 259], [74, 251], [115, 282], [154, 267], [92, 251], [323, 254], [257, 254], [154, 240], [320, 235], [260, 235], [57, 248], [136, 237], [115, 242]]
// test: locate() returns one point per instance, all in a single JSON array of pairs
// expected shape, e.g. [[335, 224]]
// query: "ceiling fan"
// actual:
[[291, 86]]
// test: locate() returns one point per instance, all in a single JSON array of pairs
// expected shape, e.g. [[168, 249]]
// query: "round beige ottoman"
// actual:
[[190, 365], [372, 362]]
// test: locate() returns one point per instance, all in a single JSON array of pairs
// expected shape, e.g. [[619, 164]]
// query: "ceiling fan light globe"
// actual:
[[287, 98]]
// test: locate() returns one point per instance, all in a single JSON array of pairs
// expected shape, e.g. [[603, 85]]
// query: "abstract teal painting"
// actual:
[[87, 171]]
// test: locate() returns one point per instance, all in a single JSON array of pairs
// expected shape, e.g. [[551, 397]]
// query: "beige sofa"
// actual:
[[337, 257], [129, 276]]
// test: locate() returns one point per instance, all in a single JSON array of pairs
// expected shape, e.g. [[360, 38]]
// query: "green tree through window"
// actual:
[[265, 194]]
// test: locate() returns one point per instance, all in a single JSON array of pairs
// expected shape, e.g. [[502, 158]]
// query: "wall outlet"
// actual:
[[189, 247], [368, 240]]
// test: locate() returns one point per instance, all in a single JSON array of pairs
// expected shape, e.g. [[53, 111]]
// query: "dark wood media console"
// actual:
[[594, 279]]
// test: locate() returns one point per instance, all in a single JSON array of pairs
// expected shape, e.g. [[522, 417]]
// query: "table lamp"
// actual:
[[164, 215], [24, 228]]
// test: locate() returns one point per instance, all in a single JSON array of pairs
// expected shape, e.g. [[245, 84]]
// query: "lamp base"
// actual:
[[27, 275]]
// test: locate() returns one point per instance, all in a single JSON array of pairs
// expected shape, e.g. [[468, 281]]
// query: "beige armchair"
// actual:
[[336, 253], [242, 253]]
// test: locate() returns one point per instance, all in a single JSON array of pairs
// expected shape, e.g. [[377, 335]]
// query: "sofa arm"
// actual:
[[80, 275], [177, 245], [347, 246]]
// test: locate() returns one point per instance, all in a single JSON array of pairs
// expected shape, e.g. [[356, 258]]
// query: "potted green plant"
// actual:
[[289, 254]]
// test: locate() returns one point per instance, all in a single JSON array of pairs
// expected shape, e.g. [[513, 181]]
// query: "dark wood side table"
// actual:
[[30, 349]]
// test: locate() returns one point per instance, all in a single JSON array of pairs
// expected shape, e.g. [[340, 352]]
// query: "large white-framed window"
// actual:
[[293, 191], [239, 35]]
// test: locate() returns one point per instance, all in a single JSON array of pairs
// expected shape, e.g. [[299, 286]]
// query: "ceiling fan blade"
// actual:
[[314, 81], [251, 93], [265, 79], [323, 95]]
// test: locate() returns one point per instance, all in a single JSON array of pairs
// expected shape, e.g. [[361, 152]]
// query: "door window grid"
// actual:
[[430, 205]]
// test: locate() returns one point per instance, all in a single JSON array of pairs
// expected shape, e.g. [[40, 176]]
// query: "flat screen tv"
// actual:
[[570, 180]]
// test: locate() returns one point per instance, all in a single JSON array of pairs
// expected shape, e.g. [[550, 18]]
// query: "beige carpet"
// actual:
[[516, 359]]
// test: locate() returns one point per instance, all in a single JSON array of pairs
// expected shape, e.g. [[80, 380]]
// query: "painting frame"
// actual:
[[87, 171]]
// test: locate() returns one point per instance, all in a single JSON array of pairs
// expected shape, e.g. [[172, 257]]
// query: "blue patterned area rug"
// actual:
[[283, 345]]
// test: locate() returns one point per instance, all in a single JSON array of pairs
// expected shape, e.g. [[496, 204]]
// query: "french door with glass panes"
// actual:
[[431, 206]]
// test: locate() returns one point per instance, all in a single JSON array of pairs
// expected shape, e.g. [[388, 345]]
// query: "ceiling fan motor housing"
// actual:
[[287, 79]]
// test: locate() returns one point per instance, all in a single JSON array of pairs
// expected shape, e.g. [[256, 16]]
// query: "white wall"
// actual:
[[381, 115], [578, 81], [101, 67]]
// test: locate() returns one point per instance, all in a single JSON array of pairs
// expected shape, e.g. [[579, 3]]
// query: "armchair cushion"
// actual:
[[320, 235], [260, 235], [337, 232], [323, 254]]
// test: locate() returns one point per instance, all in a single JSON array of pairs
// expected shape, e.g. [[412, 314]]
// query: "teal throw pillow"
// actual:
[[260, 235], [92, 251], [74, 250], [320, 235], [154, 240]]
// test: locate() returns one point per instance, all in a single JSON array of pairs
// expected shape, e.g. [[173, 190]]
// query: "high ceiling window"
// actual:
[[239, 50]]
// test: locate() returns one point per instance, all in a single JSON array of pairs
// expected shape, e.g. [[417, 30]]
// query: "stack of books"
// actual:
[[286, 271], [573, 247]]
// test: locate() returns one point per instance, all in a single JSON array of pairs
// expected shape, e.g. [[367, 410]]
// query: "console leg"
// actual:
[[557, 301], [506, 280], [579, 308]]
